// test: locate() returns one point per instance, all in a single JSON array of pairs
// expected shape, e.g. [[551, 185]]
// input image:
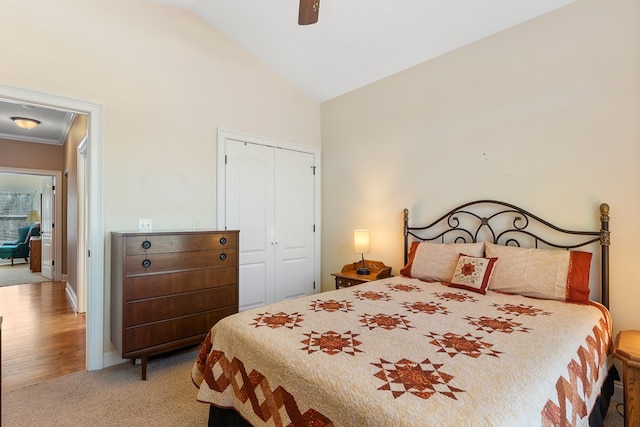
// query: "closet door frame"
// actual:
[[223, 135]]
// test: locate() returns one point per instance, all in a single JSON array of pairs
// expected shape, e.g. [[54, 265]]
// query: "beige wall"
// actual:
[[545, 115], [167, 82]]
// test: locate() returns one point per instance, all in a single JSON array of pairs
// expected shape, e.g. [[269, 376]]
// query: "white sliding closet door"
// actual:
[[269, 197]]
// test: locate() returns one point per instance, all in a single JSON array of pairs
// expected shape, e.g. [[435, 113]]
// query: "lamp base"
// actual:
[[363, 271]]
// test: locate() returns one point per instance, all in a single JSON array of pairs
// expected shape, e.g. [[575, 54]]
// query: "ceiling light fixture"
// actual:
[[25, 123]]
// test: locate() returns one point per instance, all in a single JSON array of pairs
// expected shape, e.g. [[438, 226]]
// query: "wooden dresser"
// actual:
[[169, 288]]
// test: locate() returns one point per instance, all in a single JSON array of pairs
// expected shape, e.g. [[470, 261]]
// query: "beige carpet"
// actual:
[[18, 274], [614, 417], [113, 396], [117, 397]]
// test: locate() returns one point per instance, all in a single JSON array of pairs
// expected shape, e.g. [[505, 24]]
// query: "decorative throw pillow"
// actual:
[[473, 273], [436, 262], [542, 273]]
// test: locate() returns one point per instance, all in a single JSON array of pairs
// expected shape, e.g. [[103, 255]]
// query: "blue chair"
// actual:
[[20, 248]]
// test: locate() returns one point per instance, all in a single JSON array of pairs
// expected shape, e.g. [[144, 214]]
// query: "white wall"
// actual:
[[544, 115], [21, 181], [167, 81]]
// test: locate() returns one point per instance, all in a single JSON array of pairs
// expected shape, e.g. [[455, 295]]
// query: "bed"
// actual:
[[493, 321]]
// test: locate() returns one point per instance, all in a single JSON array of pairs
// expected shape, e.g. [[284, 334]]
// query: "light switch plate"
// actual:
[[144, 224]]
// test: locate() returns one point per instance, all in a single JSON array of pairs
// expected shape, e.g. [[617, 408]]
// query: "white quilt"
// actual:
[[402, 352]]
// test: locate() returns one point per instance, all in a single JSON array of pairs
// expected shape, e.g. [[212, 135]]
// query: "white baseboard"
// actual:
[[111, 358], [618, 392], [72, 296]]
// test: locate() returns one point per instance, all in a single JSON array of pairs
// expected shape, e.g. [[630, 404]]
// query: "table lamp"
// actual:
[[33, 217], [361, 246]]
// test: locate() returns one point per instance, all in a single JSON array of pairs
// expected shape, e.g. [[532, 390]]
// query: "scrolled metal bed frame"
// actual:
[[486, 218], [507, 224]]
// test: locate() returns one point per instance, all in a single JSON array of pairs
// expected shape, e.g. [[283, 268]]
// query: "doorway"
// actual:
[[25, 204], [94, 220]]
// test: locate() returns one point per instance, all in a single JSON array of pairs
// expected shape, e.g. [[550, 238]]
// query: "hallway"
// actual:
[[42, 336]]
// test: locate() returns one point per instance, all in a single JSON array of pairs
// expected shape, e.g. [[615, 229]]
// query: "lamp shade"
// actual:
[[34, 216], [361, 241]]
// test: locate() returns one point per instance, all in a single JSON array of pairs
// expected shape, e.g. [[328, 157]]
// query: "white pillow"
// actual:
[[542, 273], [436, 262]]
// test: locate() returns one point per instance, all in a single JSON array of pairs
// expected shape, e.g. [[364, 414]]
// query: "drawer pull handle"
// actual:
[[223, 257], [223, 240], [146, 244], [146, 263]]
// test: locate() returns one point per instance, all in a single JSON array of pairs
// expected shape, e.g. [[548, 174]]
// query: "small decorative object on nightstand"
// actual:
[[627, 350], [349, 276]]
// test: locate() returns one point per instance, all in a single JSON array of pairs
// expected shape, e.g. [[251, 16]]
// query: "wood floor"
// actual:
[[42, 336]]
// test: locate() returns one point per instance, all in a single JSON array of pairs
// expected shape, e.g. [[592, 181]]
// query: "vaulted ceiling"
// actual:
[[354, 42]]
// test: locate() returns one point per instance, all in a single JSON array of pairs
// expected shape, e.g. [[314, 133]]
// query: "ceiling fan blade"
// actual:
[[308, 13]]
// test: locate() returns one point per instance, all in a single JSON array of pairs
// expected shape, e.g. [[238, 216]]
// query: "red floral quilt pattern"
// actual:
[[404, 352]]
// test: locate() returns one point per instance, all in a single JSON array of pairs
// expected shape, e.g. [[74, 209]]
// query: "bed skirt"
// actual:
[[227, 417], [599, 412]]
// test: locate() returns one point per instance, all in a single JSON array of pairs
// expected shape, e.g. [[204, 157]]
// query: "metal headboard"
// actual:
[[506, 224]]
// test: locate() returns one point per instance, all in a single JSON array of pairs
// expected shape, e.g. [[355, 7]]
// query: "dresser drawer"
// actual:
[[169, 288], [157, 285], [155, 263], [140, 339], [156, 244], [156, 309]]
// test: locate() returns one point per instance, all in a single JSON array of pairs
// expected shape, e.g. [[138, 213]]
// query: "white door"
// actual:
[[46, 228], [294, 223], [269, 197], [250, 209]]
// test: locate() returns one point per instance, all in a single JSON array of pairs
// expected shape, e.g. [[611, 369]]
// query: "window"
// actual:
[[15, 205]]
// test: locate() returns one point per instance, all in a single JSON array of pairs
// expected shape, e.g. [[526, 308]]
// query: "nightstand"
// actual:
[[348, 276], [627, 350]]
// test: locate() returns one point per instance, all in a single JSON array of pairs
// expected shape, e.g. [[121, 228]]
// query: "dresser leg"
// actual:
[[143, 363]]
